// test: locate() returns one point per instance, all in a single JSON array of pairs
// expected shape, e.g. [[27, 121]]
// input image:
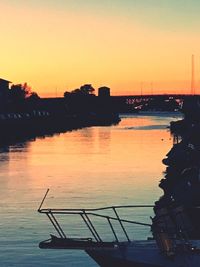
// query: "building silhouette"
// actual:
[[4, 92], [104, 91]]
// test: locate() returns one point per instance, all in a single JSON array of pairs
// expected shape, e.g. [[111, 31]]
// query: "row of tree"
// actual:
[[24, 91], [78, 101], [19, 92]]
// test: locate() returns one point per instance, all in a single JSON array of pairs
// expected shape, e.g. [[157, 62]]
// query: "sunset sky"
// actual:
[[58, 45]]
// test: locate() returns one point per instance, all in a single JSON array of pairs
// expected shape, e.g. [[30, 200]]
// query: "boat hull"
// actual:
[[104, 260], [143, 254]]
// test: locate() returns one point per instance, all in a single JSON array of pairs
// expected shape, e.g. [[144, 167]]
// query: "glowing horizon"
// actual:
[[57, 47]]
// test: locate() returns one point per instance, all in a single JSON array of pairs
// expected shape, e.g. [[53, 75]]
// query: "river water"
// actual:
[[86, 168]]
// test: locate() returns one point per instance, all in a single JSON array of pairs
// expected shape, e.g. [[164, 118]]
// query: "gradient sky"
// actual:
[[58, 45]]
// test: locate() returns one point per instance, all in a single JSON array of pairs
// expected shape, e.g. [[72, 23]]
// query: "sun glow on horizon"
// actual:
[[59, 46]]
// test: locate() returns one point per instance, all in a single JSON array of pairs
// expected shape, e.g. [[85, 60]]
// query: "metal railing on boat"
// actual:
[[86, 215]]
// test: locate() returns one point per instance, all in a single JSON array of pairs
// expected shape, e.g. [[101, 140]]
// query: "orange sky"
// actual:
[[56, 46]]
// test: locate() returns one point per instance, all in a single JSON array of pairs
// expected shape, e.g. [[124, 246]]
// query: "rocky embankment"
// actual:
[[177, 212]]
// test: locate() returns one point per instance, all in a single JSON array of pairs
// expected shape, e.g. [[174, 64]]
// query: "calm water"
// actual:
[[91, 167]]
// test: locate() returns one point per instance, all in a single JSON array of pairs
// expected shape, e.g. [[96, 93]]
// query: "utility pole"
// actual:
[[141, 88], [192, 77], [151, 88]]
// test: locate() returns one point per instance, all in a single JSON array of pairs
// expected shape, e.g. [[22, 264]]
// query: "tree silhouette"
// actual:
[[33, 97], [18, 92], [84, 90], [66, 94], [20, 96], [87, 89]]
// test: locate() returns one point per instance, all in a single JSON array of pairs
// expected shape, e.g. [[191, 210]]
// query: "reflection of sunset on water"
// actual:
[[96, 160], [90, 167]]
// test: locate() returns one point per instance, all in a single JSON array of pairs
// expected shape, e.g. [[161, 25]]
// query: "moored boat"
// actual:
[[164, 249]]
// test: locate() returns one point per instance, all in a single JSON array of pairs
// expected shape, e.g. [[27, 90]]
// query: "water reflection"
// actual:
[[4, 153], [90, 167], [104, 140]]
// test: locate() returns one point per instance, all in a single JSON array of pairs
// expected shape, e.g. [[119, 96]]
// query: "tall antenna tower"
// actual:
[[141, 88], [192, 78], [151, 88]]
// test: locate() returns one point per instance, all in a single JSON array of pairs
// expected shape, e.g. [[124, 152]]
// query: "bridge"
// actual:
[[166, 96], [170, 102]]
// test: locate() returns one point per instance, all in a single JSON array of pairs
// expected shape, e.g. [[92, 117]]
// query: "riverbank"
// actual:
[[23, 126]]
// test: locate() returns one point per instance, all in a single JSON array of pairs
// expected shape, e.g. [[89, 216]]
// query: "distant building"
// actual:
[[104, 91], [4, 90]]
